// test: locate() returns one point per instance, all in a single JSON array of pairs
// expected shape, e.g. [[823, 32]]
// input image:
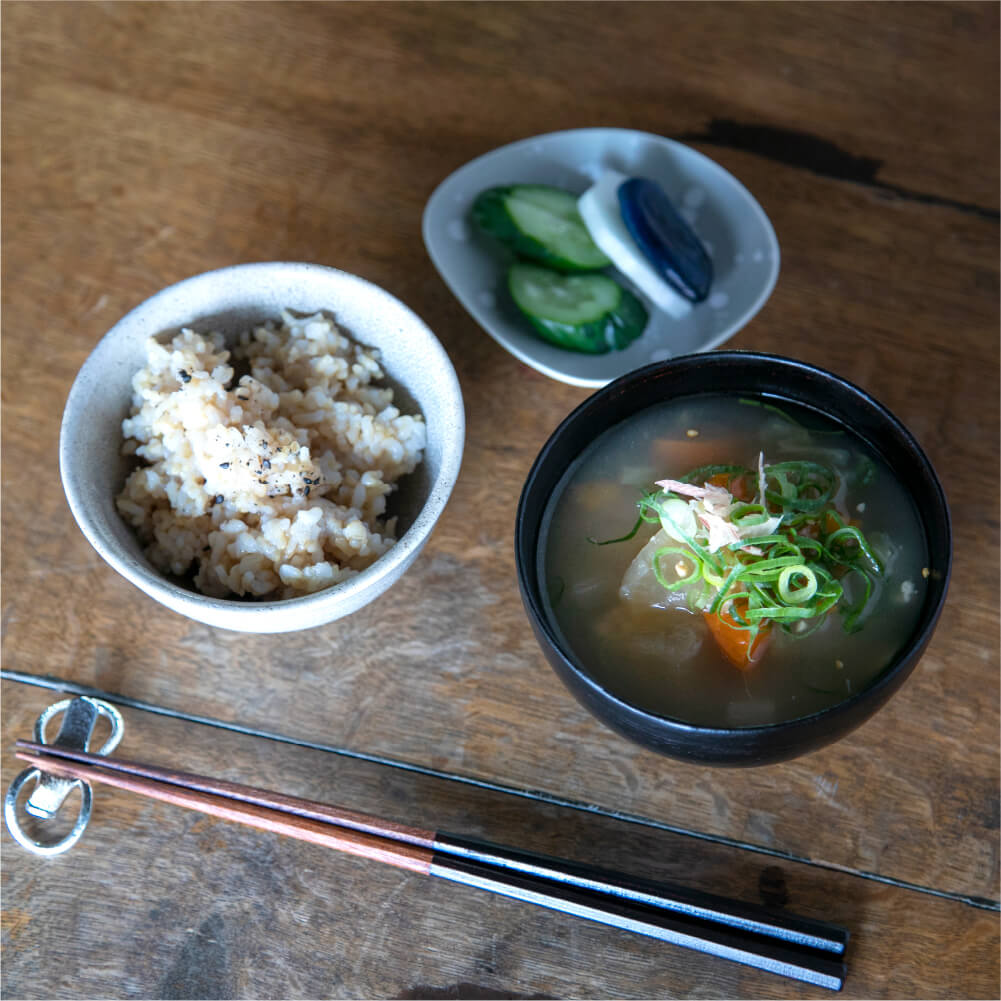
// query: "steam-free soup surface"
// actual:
[[663, 659]]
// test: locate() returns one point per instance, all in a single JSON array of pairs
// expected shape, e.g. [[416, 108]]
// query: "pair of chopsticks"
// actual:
[[790, 946]]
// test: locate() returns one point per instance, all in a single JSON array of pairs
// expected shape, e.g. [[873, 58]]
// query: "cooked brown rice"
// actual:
[[276, 486]]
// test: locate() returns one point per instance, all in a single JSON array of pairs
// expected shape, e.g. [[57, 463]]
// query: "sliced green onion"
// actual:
[[649, 507], [778, 411], [852, 612], [803, 627], [711, 575], [698, 596], [780, 613], [725, 588], [772, 408], [677, 519], [866, 471], [769, 568], [624, 538], [748, 515], [787, 489], [862, 547], [797, 595], [685, 555], [803, 486], [759, 541], [705, 473], [789, 577], [802, 542]]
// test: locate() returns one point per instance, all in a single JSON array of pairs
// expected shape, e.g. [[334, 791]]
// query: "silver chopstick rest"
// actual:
[[50, 791]]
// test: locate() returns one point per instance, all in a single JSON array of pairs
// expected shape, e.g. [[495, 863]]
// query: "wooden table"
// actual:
[[144, 143]]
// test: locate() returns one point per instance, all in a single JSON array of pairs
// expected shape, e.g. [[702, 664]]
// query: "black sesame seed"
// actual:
[[224, 465], [266, 463], [305, 491], [183, 376], [218, 499]]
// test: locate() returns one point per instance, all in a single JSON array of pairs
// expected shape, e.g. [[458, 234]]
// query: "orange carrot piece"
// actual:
[[737, 485], [831, 524], [735, 642], [743, 488]]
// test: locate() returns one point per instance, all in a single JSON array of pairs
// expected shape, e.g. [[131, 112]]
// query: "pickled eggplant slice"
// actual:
[[587, 313], [541, 223], [599, 208], [666, 240]]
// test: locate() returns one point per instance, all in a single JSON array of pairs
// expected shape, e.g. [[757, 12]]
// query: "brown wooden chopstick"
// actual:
[[784, 944], [329, 835]]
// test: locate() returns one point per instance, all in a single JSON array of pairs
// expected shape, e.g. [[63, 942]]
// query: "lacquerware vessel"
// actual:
[[740, 373]]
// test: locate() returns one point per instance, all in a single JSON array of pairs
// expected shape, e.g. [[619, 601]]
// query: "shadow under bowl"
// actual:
[[740, 374]]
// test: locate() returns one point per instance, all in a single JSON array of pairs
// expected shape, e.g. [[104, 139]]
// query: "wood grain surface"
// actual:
[[143, 143]]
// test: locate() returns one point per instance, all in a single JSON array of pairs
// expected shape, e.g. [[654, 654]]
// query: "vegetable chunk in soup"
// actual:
[[732, 562]]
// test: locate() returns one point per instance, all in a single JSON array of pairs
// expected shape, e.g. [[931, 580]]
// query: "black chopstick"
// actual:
[[682, 901], [813, 966]]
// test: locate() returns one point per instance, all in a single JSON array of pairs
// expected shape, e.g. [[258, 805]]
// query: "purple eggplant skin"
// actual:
[[666, 240]]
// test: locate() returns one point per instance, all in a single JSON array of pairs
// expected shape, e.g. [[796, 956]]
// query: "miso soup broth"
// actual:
[[650, 646]]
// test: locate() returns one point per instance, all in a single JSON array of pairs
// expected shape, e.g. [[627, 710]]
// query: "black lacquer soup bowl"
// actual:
[[778, 380]]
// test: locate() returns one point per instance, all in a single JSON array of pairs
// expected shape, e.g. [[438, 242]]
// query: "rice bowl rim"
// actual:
[[262, 290]]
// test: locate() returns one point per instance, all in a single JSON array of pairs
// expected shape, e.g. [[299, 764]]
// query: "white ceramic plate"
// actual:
[[731, 224]]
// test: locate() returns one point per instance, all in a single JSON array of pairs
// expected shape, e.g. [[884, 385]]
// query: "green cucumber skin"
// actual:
[[617, 329], [589, 339], [490, 214]]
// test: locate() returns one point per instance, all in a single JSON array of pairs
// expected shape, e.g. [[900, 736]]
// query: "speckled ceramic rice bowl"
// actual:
[[265, 447]]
